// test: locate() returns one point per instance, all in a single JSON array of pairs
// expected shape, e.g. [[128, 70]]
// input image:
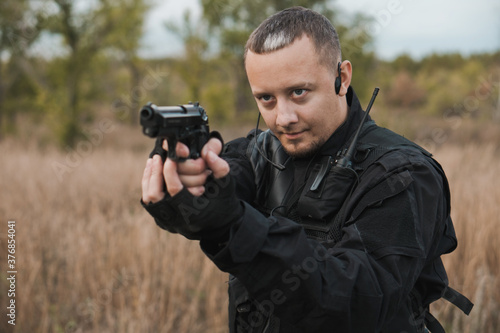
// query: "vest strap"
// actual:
[[432, 324], [457, 299]]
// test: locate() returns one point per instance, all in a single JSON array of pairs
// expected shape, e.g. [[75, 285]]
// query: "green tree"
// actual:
[[206, 77], [125, 38], [88, 30], [405, 62], [19, 29], [192, 66]]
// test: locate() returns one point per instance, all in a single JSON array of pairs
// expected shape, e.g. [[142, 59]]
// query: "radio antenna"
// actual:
[[345, 160]]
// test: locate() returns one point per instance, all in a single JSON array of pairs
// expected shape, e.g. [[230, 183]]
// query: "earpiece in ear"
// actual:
[[338, 80]]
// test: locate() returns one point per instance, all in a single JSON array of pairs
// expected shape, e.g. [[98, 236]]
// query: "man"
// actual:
[[311, 244]]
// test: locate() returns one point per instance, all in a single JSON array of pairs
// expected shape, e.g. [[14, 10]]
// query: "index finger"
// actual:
[[181, 150]]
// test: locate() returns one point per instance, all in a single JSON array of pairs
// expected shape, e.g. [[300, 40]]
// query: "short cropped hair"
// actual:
[[284, 27]]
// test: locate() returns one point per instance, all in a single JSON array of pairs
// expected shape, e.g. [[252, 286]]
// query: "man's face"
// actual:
[[296, 96]]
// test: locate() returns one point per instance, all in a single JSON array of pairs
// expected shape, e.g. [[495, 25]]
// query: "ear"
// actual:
[[346, 75]]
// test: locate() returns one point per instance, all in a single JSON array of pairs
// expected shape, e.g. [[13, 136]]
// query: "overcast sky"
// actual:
[[415, 27]]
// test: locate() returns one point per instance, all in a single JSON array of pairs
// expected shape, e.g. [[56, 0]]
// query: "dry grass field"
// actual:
[[89, 259]]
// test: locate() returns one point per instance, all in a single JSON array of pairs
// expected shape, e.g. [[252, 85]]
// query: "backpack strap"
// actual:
[[455, 298], [458, 299], [432, 324]]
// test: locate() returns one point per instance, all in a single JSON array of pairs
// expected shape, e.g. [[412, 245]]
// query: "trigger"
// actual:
[[158, 149], [171, 149]]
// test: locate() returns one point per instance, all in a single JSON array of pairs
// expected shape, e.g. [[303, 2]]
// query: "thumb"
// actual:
[[210, 151], [219, 167]]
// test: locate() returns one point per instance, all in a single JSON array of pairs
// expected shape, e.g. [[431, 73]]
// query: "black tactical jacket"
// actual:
[[290, 271]]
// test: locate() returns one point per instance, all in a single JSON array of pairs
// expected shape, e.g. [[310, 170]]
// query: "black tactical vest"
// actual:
[[322, 204], [318, 204]]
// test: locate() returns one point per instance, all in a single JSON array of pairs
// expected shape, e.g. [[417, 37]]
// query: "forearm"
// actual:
[[298, 279], [360, 280]]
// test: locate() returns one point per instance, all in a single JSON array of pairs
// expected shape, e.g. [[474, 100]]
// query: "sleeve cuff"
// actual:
[[161, 211]]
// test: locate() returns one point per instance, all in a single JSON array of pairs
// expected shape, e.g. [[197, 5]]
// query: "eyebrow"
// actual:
[[299, 85]]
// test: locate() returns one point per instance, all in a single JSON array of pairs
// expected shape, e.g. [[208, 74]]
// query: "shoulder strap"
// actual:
[[373, 143], [454, 297], [458, 299], [272, 171]]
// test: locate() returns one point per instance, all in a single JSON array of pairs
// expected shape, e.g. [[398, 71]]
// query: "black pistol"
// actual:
[[186, 123]]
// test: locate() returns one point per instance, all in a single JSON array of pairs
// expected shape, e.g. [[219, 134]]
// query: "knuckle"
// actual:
[[201, 168], [197, 190], [197, 166], [223, 170], [174, 189]]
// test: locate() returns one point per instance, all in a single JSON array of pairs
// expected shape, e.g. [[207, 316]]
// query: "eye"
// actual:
[[265, 99], [299, 92]]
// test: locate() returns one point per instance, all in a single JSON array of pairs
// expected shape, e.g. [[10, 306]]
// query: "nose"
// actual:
[[286, 114]]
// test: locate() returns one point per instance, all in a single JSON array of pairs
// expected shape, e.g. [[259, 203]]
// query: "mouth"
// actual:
[[293, 135]]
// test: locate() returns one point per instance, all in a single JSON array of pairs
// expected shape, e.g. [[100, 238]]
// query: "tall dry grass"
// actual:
[[89, 258], [474, 268]]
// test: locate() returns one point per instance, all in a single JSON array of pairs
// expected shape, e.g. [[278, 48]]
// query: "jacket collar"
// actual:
[[340, 137]]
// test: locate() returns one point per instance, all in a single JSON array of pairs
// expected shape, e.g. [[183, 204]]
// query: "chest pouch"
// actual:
[[323, 195]]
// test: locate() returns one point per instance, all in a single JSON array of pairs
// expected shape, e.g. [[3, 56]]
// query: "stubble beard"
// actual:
[[307, 152]]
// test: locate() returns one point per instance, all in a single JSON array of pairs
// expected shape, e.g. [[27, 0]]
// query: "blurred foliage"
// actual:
[[96, 71], [18, 30], [64, 87], [192, 67], [443, 85]]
